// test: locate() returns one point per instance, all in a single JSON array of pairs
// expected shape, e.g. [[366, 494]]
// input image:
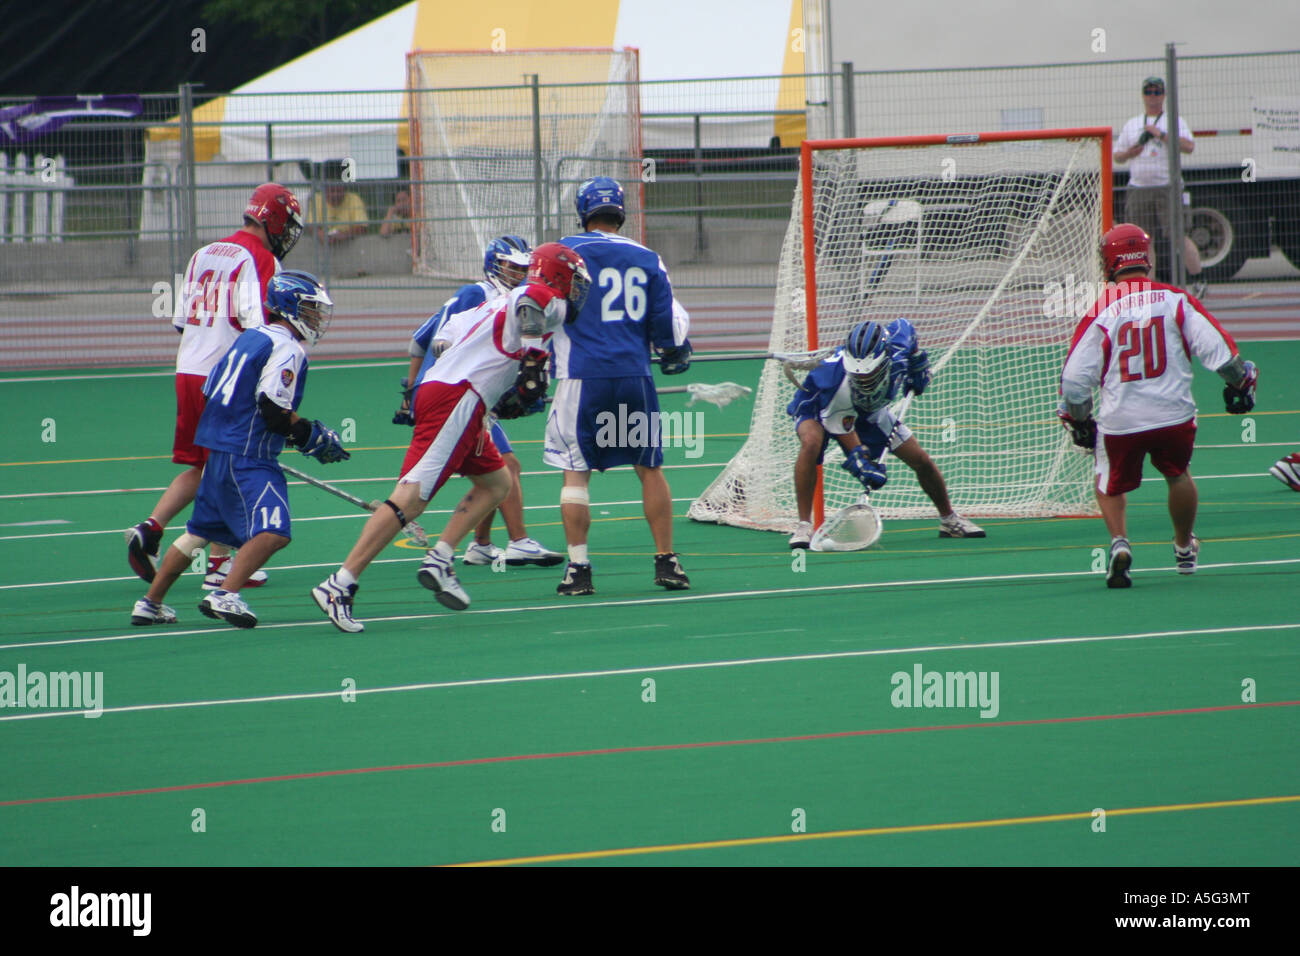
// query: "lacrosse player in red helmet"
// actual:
[[1135, 346]]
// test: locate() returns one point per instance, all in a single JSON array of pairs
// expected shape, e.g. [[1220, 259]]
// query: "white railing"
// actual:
[[32, 195]]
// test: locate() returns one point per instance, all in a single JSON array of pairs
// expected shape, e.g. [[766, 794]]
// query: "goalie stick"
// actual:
[[420, 539], [855, 527]]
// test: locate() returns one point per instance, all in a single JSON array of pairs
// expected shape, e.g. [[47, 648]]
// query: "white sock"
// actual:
[[578, 554], [444, 549], [344, 577]]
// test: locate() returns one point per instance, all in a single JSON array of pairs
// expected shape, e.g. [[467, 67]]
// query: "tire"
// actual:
[[1288, 239], [1216, 231]]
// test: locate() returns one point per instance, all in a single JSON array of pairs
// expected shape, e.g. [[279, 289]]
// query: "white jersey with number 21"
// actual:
[[220, 297]]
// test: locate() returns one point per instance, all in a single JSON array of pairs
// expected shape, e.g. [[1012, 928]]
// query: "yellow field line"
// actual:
[[877, 831]]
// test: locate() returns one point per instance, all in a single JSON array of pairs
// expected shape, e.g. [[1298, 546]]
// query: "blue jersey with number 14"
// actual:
[[265, 360], [629, 308]]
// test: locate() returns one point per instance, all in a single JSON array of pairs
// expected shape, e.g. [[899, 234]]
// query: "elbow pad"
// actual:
[[280, 421], [532, 318]]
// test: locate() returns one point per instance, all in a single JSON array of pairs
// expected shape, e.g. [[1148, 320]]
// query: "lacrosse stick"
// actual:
[[857, 526], [722, 394], [418, 537]]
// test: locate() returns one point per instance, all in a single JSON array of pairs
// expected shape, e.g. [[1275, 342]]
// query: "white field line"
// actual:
[[358, 513], [662, 668], [142, 633], [172, 373], [383, 479]]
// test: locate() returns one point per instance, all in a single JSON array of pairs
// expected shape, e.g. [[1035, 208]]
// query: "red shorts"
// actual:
[[1120, 457], [449, 438], [189, 406]]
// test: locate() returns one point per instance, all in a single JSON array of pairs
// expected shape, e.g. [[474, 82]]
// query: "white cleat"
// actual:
[[1121, 559], [802, 536], [229, 607], [528, 551], [1185, 558], [437, 575], [481, 553], [219, 568], [146, 612], [1287, 471], [955, 526], [336, 601]]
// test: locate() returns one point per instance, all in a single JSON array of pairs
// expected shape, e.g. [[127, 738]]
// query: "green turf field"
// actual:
[[524, 729]]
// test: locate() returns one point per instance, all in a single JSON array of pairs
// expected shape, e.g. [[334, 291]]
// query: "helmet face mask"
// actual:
[[276, 210], [866, 361], [599, 196], [300, 299], [505, 261], [563, 271]]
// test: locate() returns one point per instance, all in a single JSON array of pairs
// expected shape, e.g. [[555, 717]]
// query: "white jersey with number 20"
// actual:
[[1136, 343]]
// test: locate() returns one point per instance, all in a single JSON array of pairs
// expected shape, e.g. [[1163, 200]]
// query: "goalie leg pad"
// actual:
[[575, 495]]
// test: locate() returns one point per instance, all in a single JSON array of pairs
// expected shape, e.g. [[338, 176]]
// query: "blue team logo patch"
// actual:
[[286, 377], [847, 422]]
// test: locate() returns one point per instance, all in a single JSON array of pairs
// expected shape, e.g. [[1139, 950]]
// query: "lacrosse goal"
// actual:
[[988, 243]]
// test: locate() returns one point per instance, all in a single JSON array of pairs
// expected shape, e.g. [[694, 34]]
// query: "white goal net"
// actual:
[[988, 243], [490, 160]]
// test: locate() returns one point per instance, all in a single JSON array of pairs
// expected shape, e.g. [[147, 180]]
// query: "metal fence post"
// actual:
[[539, 201], [699, 190], [1173, 151], [850, 124], [270, 154], [190, 195]]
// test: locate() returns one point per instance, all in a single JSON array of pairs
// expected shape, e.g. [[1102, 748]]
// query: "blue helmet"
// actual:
[[506, 251], [866, 359], [599, 195], [301, 300]]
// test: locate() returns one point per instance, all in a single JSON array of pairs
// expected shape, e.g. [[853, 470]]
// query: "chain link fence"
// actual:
[[100, 209]]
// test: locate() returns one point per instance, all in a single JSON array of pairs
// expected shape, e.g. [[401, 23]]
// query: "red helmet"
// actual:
[[561, 270], [1125, 247], [277, 210]]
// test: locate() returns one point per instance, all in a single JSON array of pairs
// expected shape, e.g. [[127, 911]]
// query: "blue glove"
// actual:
[[324, 445], [870, 473], [676, 359], [902, 336], [918, 371]]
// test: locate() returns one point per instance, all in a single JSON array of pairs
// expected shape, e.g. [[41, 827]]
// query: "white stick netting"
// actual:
[[991, 250]]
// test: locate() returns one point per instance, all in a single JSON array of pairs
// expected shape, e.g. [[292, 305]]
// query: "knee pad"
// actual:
[[187, 543], [573, 495]]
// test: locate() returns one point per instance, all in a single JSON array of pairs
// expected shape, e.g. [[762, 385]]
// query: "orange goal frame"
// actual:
[[956, 140]]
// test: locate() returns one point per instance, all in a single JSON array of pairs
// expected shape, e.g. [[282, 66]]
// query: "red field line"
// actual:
[[646, 748]]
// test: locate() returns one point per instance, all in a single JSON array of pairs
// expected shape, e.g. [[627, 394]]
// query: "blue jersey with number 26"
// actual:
[[265, 360], [629, 307]]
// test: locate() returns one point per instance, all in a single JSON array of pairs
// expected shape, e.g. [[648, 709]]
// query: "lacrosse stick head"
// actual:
[[854, 528], [721, 395]]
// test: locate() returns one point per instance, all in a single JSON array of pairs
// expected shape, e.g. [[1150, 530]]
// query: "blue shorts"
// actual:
[[875, 431], [500, 440], [599, 423], [238, 499]]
